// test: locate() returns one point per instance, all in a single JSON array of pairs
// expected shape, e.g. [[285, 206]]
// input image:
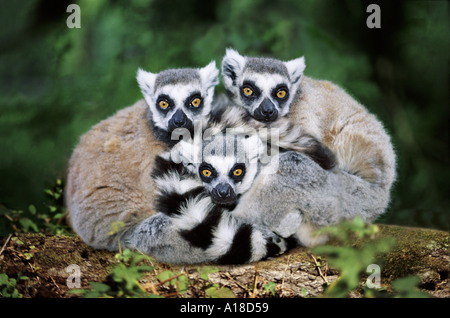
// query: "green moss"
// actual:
[[417, 251]]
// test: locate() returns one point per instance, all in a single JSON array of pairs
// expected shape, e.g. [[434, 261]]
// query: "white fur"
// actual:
[[296, 68], [193, 213], [258, 246], [171, 182], [236, 61], [209, 75], [146, 81], [223, 236]]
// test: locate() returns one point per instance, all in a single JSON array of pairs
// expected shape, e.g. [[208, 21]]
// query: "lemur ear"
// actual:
[[146, 81], [232, 66], [209, 75], [295, 68]]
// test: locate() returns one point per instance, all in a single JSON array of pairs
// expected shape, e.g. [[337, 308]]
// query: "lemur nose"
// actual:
[[223, 190], [179, 118], [267, 108]]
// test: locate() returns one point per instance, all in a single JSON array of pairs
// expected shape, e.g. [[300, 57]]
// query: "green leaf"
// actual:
[[183, 283], [407, 288], [270, 286], [3, 279], [26, 224], [166, 275], [116, 227], [32, 209], [205, 270], [219, 292], [304, 292]]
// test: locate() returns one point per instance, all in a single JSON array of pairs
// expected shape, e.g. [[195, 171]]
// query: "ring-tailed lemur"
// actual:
[[198, 187], [109, 171], [269, 90]]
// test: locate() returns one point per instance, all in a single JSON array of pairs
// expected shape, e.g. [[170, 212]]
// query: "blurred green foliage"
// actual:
[[56, 82]]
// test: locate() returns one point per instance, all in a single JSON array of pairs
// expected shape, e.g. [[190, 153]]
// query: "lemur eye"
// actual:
[[163, 104], [206, 172], [247, 91], [237, 172], [281, 93], [196, 102]]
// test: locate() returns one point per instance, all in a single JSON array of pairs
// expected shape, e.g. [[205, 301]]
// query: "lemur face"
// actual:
[[226, 164], [264, 87], [178, 97]]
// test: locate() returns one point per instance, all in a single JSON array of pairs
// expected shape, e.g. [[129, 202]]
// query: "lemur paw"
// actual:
[[276, 245]]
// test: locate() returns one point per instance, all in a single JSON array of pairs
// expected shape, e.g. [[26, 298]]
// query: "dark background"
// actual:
[[56, 82]]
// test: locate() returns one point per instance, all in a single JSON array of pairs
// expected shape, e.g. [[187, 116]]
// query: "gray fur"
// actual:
[[177, 76], [304, 194], [266, 65]]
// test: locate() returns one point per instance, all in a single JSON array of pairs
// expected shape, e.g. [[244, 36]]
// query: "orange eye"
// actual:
[[281, 93], [196, 102], [237, 172], [248, 91], [163, 104], [206, 172]]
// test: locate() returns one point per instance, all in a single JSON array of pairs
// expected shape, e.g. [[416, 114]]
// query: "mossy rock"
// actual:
[[421, 252]]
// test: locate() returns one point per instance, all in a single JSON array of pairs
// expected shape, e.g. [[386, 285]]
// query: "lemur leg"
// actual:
[[301, 196], [326, 197]]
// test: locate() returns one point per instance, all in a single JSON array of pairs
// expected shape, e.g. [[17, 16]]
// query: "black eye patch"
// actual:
[[164, 103], [207, 172], [280, 93], [194, 102], [249, 90], [237, 173]]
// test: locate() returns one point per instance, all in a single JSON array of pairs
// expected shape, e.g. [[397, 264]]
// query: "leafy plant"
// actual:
[[352, 261], [8, 286], [31, 220], [270, 287], [407, 288], [123, 278], [213, 290], [53, 219], [179, 283]]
